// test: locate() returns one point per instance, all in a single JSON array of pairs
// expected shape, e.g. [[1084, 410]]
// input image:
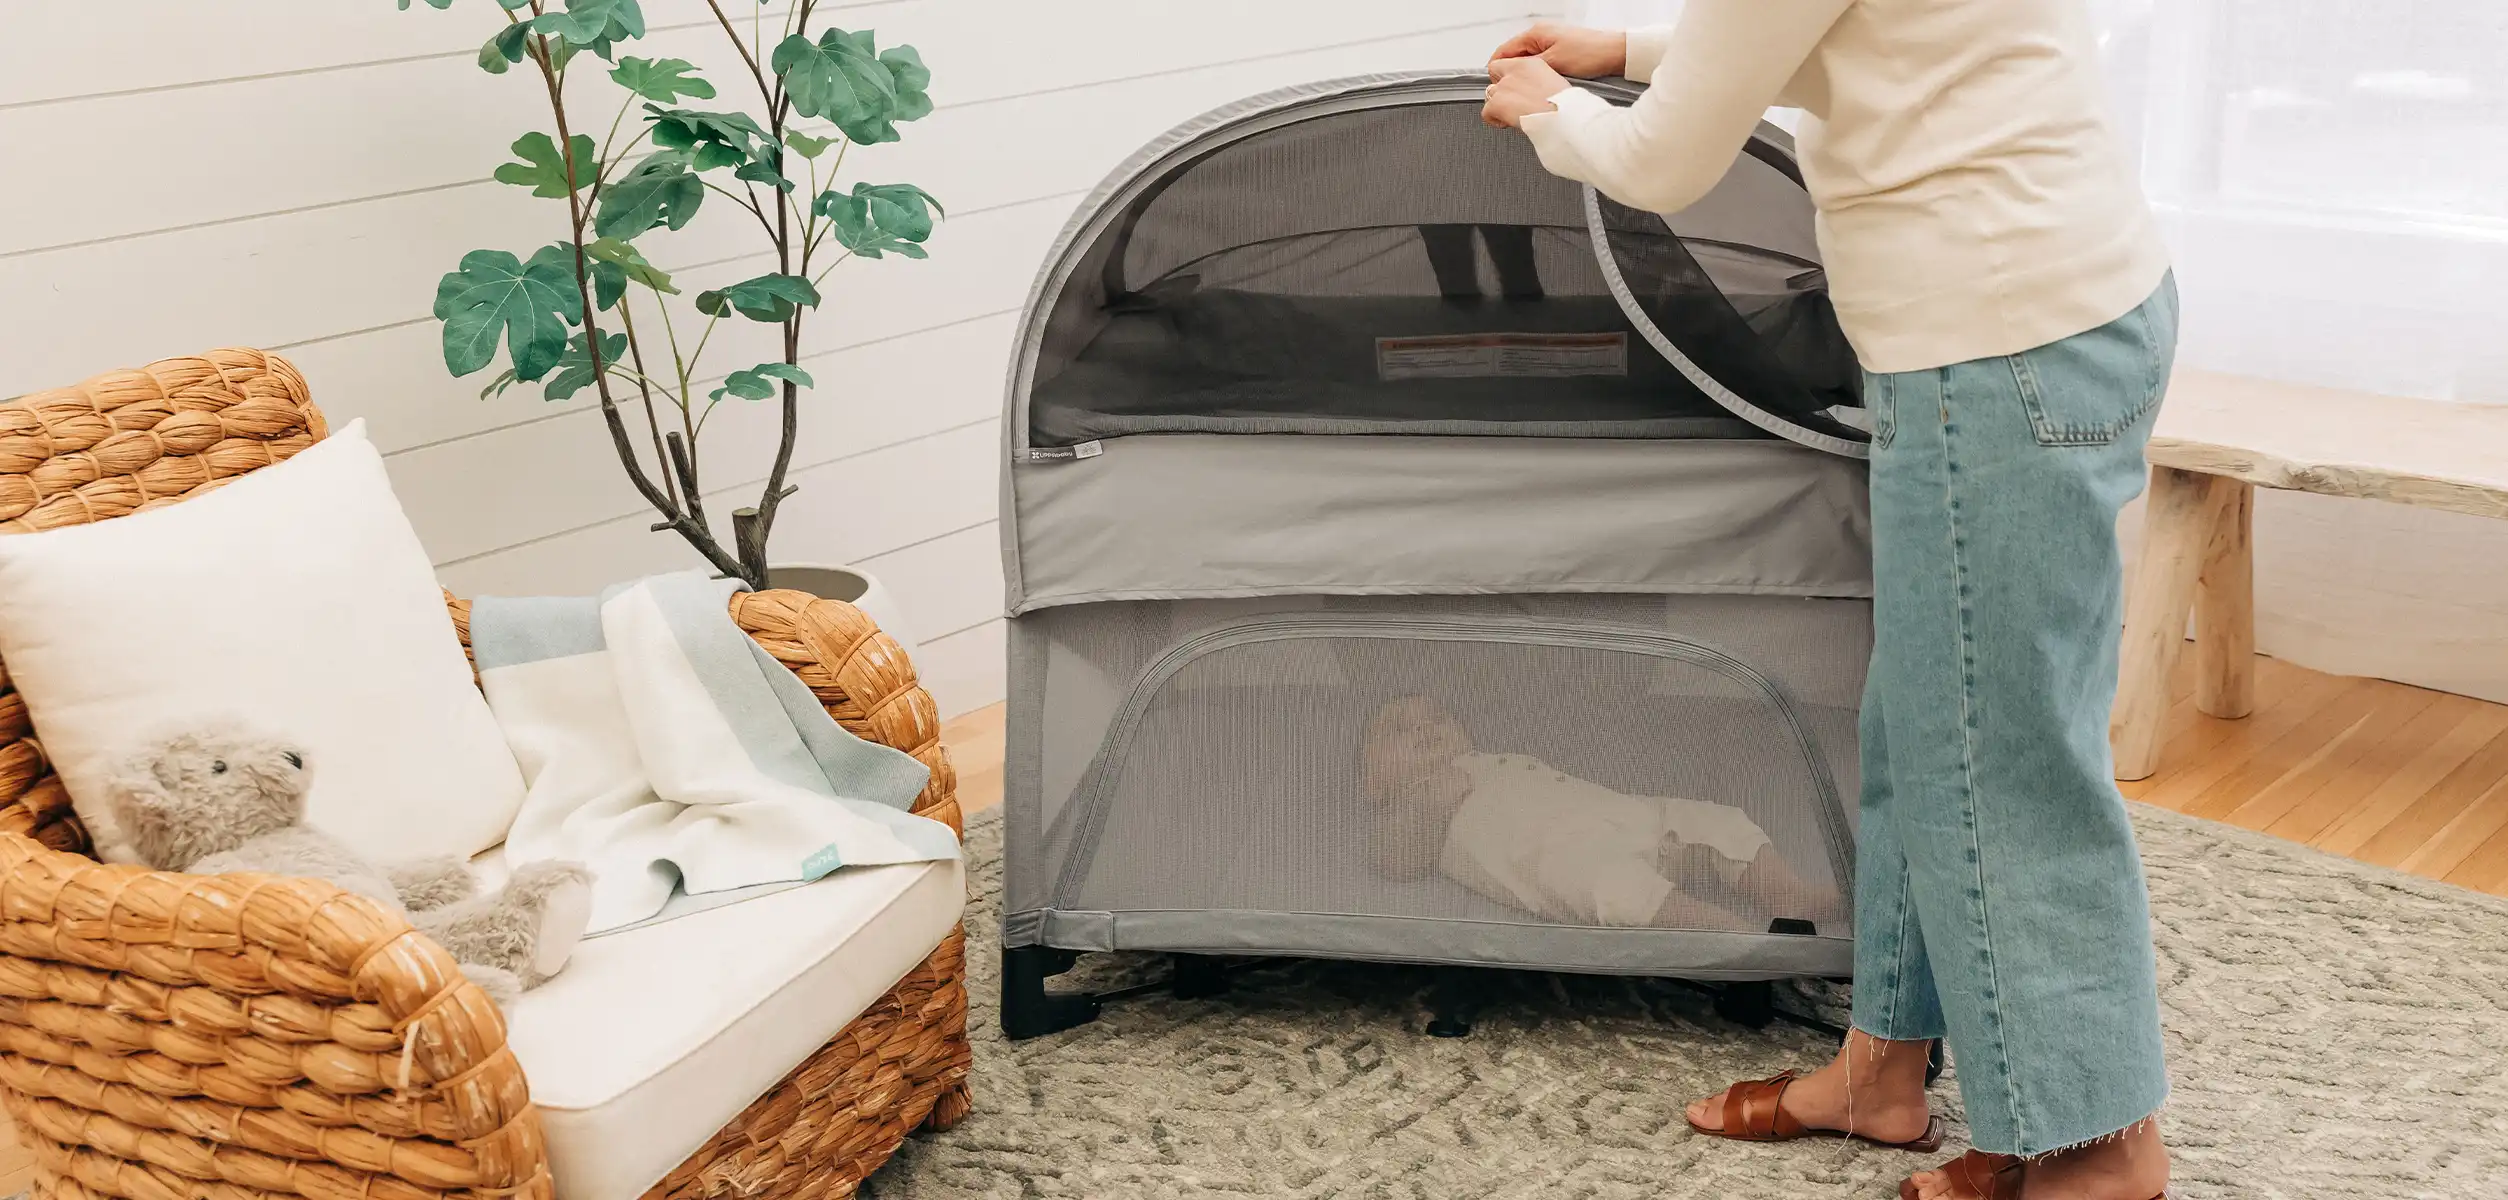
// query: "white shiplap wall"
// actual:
[[295, 174]]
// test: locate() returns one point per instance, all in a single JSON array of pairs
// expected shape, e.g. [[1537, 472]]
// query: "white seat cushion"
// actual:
[[654, 1038]]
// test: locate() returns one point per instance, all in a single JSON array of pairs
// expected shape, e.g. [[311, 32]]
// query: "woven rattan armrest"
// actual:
[[246, 1035]]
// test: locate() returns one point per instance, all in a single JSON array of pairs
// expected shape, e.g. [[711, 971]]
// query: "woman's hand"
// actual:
[[1571, 50], [1524, 86]]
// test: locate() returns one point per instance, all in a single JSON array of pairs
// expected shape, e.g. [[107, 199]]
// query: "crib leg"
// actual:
[[1197, 976], [1750, 1004], [1027, 1009], [1453, 1003]]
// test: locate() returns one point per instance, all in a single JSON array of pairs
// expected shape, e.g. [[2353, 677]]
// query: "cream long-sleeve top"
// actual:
[[1972, 200]]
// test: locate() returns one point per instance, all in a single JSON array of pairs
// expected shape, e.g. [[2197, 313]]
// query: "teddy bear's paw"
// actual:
[[561, 893], [562, 924]]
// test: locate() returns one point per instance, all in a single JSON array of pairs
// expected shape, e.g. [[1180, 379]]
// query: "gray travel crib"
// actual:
[[1333, 399]]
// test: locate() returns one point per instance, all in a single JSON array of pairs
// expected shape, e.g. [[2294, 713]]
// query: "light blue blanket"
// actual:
[[668, 752]]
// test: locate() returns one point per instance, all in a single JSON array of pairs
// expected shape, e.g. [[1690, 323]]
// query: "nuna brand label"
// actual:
[[1488, 355]]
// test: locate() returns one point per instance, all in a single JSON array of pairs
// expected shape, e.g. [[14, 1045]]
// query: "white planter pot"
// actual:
[[858, 588]]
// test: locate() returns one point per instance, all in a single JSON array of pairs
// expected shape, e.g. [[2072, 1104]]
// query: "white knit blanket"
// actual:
[[662, 748]]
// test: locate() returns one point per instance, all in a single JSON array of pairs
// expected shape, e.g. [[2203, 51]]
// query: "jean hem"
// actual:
[[1865, 1028], [2110, 1135]]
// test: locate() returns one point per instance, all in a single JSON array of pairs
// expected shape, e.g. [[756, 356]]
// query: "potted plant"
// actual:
[[591, 310]]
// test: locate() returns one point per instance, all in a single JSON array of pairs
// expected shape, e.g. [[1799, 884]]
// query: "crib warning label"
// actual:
[[1472, 355]]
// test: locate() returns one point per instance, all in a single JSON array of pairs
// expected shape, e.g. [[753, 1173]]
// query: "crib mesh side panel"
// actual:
[[1409, 270], [1300, 756]]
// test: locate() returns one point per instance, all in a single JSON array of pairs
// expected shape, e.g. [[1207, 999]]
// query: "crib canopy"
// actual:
[[1366, 256], [1364, 262]]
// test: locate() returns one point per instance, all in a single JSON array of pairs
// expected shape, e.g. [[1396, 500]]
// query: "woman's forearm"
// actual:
[[1709, 80]]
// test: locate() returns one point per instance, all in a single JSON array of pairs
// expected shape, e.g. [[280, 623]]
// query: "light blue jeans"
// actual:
[[1999, 896]]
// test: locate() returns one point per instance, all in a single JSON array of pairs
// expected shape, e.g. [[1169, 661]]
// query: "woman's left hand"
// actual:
[[1520, 88]]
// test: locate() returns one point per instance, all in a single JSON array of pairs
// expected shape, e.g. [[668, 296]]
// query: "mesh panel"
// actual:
[[1507, 760], [1757, 320], [1409, 270]]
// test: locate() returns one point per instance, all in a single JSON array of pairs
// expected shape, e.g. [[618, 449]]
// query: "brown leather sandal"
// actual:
[[1753, 1113], [1978, 1175]]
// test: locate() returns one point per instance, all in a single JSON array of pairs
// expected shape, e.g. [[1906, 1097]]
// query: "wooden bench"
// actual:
[[2219, 438]]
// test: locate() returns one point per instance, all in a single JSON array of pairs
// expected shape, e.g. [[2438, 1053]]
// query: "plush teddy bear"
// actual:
[[232, 798]]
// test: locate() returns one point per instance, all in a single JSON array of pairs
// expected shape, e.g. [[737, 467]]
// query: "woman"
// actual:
[[2001, 279]]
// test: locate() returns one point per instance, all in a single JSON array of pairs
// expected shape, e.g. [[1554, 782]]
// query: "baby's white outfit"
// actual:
[[1539, 838]]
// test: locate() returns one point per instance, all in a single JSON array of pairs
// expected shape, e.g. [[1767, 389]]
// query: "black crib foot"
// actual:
[[1027, 1009], [1453, 1003], [1197, 976], [1751, 1004]]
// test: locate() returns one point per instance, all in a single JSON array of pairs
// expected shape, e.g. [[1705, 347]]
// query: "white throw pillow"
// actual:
[[296, 598]]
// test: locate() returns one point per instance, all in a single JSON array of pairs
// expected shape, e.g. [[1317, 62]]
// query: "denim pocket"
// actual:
[[2090, 388], [1881, 407]]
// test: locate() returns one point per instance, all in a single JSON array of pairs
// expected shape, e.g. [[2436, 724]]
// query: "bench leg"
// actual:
[[2178, 523], [2225, 614]]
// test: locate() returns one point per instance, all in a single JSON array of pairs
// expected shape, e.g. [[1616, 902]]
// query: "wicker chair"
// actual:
[[174, 1037]]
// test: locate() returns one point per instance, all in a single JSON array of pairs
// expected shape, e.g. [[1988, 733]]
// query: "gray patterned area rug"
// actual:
[[2335, 1030]]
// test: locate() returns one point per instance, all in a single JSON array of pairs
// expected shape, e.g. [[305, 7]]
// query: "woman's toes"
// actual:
[[1702, 1113]]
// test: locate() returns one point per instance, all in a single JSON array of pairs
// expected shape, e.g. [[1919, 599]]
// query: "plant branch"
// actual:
[[810, 217], [748, 202], [677, 363], [752, 190], [750, 529], [689, 526], [745, 56], [631, 375], [603, 160], [684, 463], [779, 102], [811, 231], [644, 386], [699, 352], [688, 391], [841, 259], [611, 162]]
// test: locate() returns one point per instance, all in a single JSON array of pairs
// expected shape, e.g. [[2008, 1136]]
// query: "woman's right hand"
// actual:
[[1571, 50]]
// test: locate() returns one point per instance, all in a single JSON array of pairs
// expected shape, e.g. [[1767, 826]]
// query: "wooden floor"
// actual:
[[2383, 772], [2394, 775]]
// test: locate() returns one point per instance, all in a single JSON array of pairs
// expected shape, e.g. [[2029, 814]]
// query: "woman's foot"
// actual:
[[1874, 1089], [2130, 1166]]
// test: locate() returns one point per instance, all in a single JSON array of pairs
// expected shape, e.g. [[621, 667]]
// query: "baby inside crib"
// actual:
[[1523, 833]]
